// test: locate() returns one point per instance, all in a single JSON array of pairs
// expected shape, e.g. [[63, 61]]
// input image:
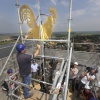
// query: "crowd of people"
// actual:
[[29, 68], [82, 84]]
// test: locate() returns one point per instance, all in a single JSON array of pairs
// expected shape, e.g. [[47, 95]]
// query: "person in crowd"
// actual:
[[78, 80], [43, 87], [38, 71], [10, 72], [74, 72], [52, 67], [52, 64], [98, 91], [12, 85], [87, 93], [24, 62], [90, 76], [34, 68]]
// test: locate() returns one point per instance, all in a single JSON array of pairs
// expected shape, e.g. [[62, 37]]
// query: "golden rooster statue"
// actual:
[[27, 15]]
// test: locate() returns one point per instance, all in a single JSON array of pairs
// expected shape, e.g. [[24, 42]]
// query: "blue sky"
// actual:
[[85, 14]]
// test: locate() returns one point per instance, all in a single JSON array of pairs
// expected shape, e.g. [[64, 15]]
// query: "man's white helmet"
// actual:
[[76, 63], [98, 84], [87, 87]]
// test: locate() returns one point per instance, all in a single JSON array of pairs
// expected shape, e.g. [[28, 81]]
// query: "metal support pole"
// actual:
[[58, 73], [16, 88], [9, 56], [16, 82], [67, 75], [51, 57], [69, 24], [41, 81], [19, 20], [19, 83], [16, 96], [10, 91], [49, 40], [41, 37], [59, 83]]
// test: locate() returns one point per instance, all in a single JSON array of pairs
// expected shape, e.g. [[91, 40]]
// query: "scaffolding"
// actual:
[[65, 63]]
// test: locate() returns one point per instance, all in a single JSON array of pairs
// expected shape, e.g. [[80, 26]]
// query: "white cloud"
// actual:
[[94, 5], [78, 13], [96, 2], [86, 25], [90, 21], [34, 6], [54, 1], [64, 3]]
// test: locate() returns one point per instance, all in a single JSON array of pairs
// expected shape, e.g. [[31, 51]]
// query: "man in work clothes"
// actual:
[[34, 68], [74, 71], [24, 62], [52, 68]]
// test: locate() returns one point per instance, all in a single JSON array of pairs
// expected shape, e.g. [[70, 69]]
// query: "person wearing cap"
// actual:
[[34, 69], [87, 93], [74, 72], [24, 62], [88, 77], [5, 85], [52, 64], [12, 85], [52, 67], [10, 73]]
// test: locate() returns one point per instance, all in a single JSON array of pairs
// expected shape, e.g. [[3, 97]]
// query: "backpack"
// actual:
[[5, 86]]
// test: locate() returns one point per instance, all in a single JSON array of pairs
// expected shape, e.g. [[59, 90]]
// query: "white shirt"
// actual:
[[34, 67], [84, 79]]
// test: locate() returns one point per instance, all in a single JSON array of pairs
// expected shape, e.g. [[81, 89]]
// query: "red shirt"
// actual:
[[88, 95]]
